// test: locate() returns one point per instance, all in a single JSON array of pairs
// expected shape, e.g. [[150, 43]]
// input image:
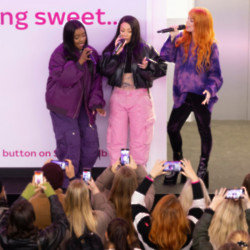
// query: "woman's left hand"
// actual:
[[188, 170], [144, 63], [207, 98], [101, 112]]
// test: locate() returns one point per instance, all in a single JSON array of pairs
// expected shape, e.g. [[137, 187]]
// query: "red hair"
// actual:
[[203, 37], [169, 224]]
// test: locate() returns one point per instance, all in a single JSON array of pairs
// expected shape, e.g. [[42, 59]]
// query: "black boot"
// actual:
[[202, 170], [171, 177]]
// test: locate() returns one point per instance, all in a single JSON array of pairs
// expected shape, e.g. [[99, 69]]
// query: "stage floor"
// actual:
[[229, 160]]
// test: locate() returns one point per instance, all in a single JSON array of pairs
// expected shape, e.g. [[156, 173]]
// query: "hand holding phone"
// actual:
[[38, 177], [235, 193], [124, 156]]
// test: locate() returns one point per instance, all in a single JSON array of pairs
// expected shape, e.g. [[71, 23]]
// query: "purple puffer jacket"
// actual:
[[70, 84]]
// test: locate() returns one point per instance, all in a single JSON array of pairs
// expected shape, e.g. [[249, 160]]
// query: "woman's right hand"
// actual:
[[92, 187], [85, 55], [174, 33], [116, 43]]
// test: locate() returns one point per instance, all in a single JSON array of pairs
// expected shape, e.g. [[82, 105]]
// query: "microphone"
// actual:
[[180, 27], [92, 58], [90, 55], [119, 45]]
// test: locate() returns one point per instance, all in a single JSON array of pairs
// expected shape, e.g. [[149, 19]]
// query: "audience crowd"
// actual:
[[116, 211]]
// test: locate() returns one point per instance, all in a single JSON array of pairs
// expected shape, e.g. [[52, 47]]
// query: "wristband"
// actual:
[[73, 178], [150, 177]]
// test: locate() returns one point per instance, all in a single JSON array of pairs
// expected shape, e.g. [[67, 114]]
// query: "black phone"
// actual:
[[174, 166], [124, 156], [62, 164], [235, 193]]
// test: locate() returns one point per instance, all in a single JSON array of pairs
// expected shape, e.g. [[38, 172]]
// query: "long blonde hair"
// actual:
[[203, 37], [228, 217], [186, 195], [78, 208]]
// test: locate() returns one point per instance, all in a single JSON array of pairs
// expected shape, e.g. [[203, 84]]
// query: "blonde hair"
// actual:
[[228, 217], [203, 37], [186, 195], [238, 236], [78, 208]]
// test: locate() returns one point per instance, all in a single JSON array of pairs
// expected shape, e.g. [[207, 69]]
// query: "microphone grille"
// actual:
[[182, 27]]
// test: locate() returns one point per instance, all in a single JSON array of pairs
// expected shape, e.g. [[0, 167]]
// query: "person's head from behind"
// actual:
[[124, 185], [21, 219], [118, 234], [246, 183], [54, 174], [169, 224], [186, 195], [229, 217], [78, 208], [74, 36], [230, 246], [241, 238]]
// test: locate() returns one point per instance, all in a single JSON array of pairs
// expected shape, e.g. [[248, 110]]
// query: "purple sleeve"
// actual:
[[66, 73], [96, 94], [169, 51], [215, 79]]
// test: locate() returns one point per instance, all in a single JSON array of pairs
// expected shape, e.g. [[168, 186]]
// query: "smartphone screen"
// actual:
[[38, 177], [234, 193], [124, 156], [174, 166], [86, 175], [62, 164]]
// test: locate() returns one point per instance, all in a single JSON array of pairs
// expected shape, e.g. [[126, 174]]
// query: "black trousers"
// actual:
[[203, 118]]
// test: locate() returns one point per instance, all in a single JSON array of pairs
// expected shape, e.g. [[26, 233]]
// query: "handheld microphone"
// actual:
[[92, 58], [180, 27], [90, 55], [119, 45]]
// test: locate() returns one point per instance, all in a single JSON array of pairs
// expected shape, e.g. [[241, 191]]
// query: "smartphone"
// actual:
[[38, 177], [86, 175], [62, 164], [124, 156], [174, 166], [234, 193]]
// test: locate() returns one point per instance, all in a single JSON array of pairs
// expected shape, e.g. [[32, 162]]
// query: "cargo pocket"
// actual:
[[90, 146], [73, 143]]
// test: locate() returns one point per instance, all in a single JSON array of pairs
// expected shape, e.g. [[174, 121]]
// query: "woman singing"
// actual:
[[74, 96], [197, 79], [130, 69]]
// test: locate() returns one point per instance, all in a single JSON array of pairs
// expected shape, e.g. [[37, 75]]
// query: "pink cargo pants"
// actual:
[[131, 109]]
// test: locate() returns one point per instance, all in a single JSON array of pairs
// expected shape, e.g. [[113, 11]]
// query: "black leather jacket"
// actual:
[[49, 238], [112, 66]]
